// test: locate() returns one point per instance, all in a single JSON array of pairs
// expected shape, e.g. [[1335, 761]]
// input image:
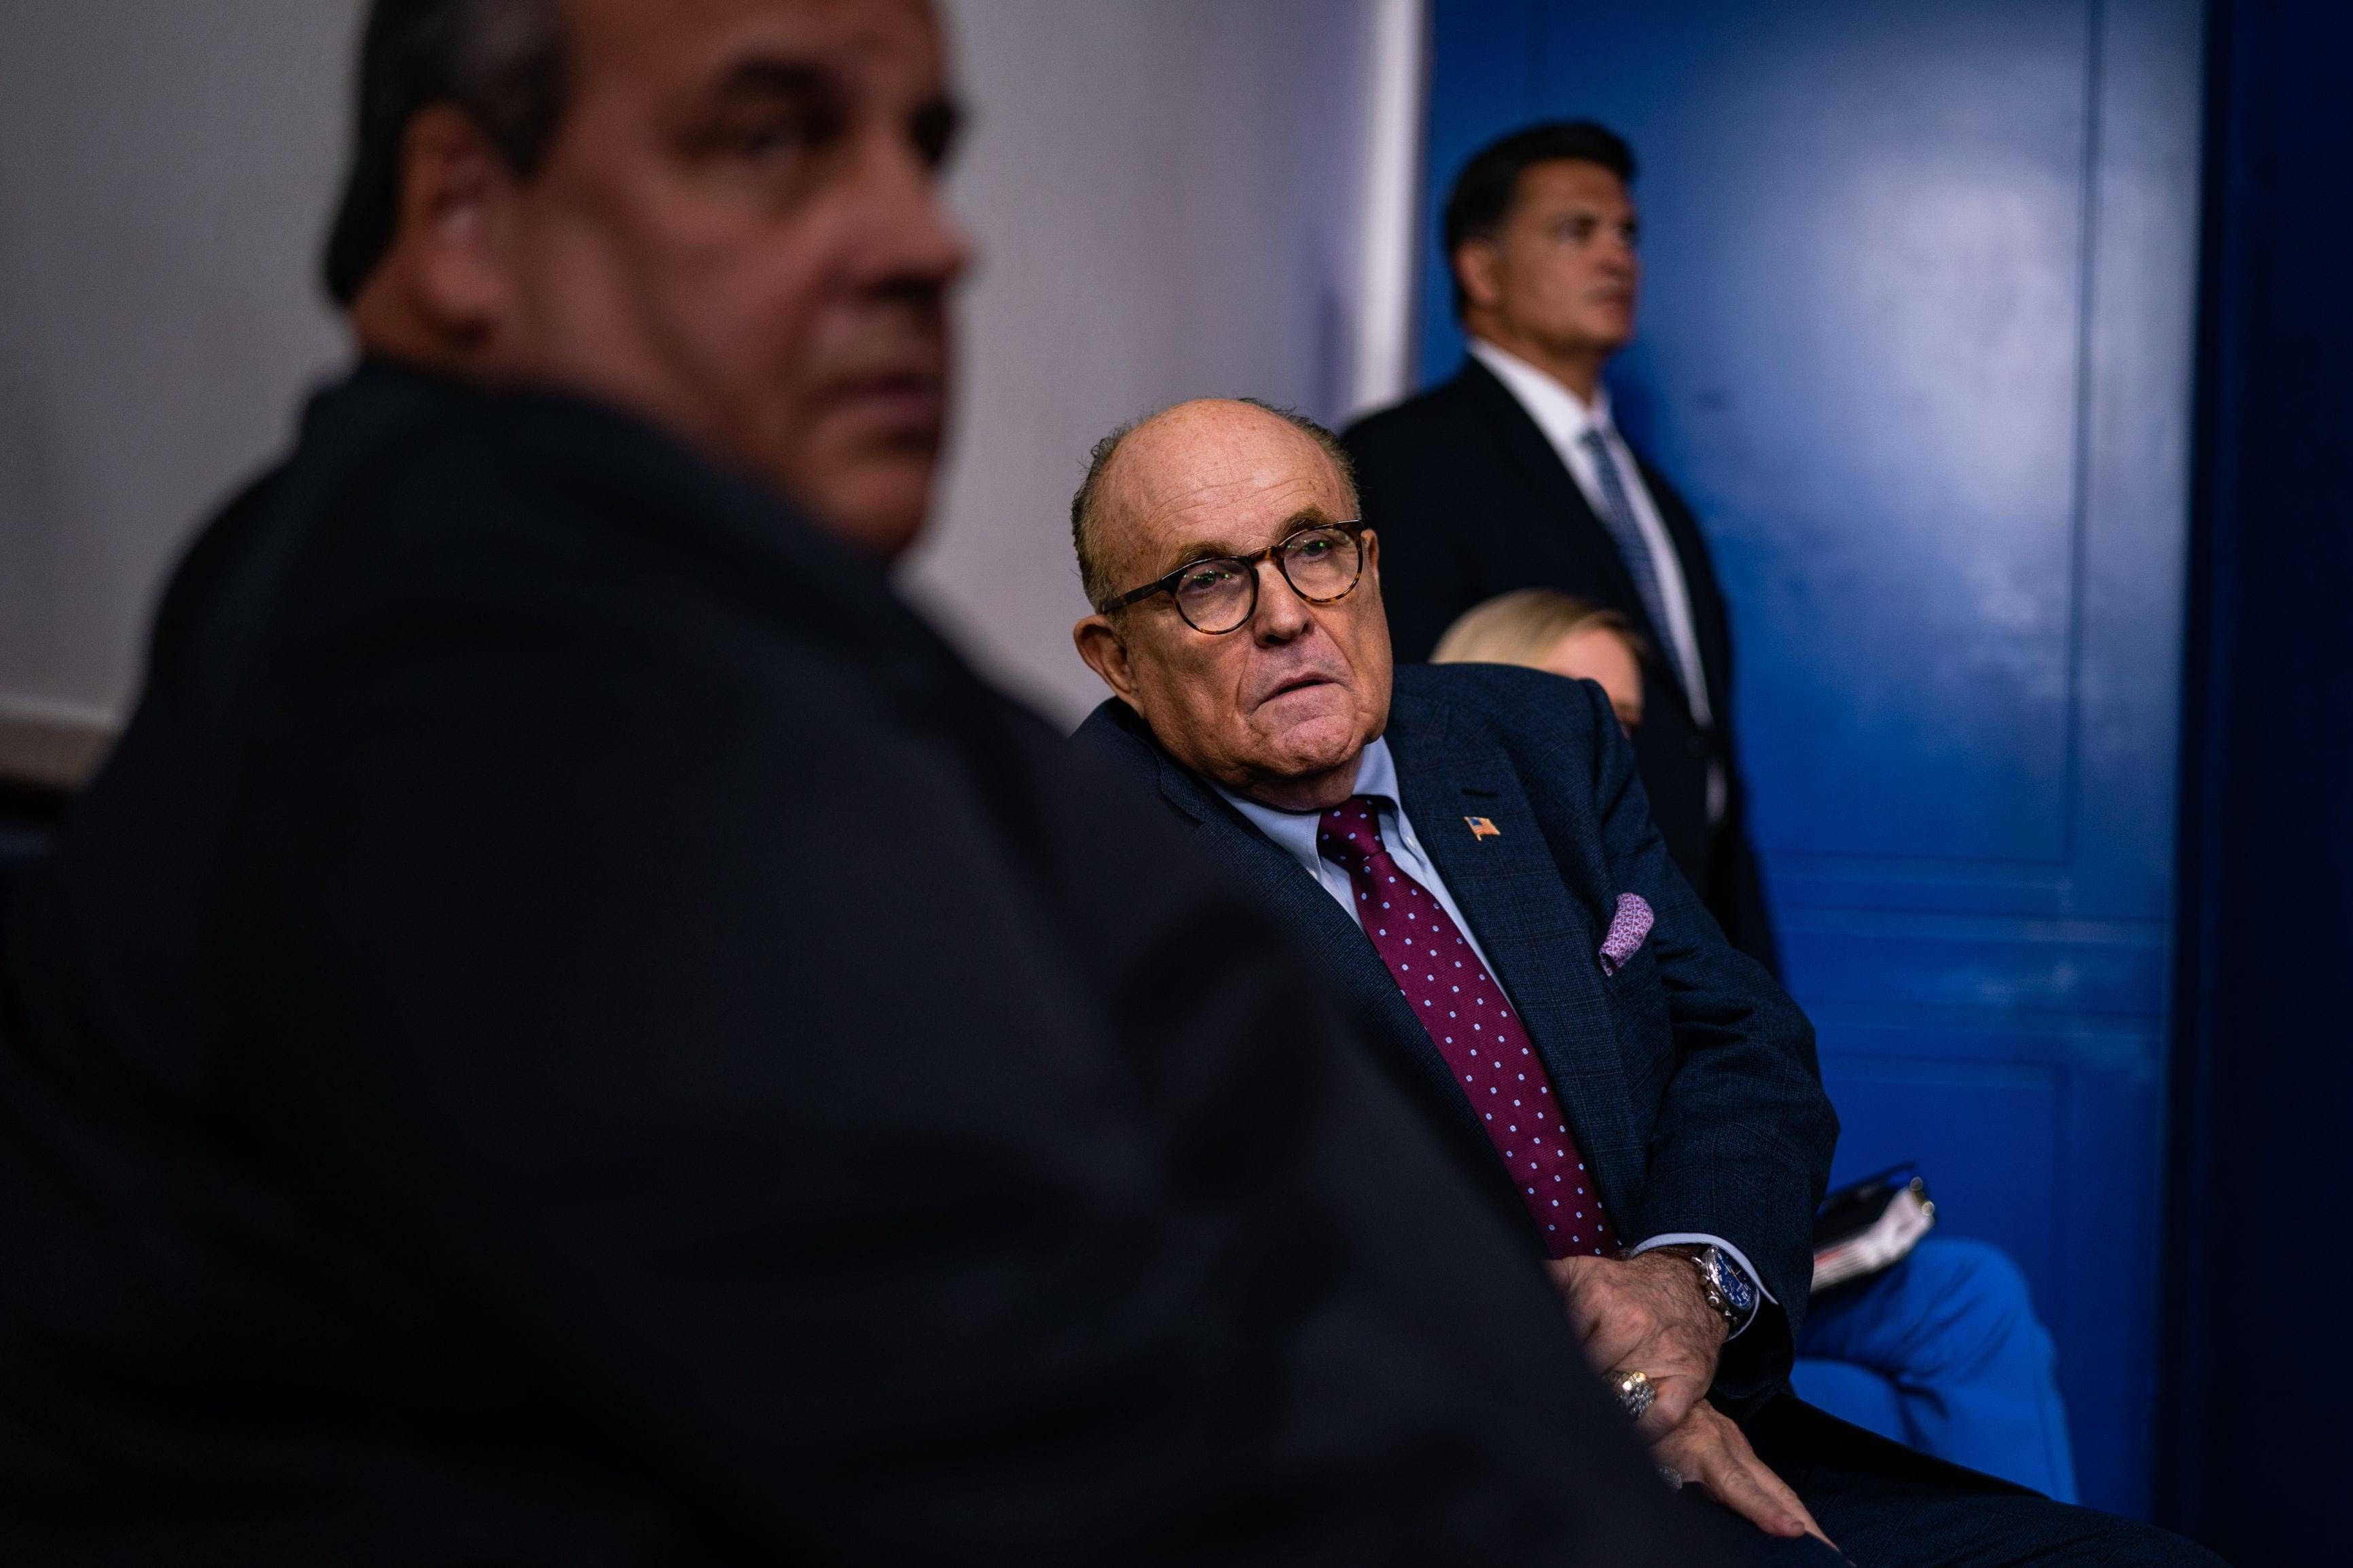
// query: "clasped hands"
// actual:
[[1647, 1313]]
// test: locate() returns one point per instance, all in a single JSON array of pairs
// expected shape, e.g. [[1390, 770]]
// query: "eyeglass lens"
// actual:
[[1320, 564]]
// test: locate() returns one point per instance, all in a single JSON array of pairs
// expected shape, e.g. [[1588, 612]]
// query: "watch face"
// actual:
[[1731, 1281]]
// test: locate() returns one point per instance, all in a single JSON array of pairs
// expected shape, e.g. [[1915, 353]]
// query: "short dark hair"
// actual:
[[504, 63], [1482, 195], [1084, 504]]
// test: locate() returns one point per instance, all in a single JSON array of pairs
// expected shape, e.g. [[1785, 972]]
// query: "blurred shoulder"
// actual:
[[469, 473], [446, 499], [547, 559]]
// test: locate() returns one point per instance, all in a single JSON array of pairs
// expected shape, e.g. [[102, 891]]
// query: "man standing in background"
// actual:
[[1512, 475], [573, 1029]]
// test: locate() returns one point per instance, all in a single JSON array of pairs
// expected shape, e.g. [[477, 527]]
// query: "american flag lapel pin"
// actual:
[[1483, 828]]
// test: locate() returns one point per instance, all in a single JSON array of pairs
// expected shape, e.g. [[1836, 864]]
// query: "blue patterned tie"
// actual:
[[1618, 517]]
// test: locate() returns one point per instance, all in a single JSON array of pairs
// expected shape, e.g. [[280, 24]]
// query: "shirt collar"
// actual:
[[1295, 831], [1560, 414]]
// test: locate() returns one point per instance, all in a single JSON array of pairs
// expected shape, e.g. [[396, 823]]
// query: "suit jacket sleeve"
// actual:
[[693, 1016], [1741, 1148]]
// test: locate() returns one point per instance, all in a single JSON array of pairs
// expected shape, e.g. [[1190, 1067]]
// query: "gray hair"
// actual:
[[504, 64], [1085, 505]]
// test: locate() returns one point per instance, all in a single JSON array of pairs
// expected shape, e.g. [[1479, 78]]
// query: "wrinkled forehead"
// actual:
[[1216, 480], [673, 49]]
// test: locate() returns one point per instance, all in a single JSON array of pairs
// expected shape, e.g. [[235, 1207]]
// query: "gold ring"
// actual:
[[1635, 1393]]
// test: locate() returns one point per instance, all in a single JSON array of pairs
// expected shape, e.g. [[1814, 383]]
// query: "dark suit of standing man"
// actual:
[[1513, 475], [573, 1029]]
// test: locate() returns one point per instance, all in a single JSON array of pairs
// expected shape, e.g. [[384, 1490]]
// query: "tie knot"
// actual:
[[1351, 831]]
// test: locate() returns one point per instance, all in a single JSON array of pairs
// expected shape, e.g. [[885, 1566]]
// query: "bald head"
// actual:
[[1280, 706], [1172, 436]]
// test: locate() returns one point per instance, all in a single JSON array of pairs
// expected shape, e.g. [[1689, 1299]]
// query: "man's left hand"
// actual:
[[1645, 1313]]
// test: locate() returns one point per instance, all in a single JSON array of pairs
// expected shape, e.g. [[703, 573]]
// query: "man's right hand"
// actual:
[[1710, 1453]]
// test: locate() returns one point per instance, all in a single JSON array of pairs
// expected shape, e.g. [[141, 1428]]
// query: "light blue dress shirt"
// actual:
[[1296, 831]]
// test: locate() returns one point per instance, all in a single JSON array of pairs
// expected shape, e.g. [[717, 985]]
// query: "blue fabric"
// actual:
[[1852, 1393], [1952, 1335]]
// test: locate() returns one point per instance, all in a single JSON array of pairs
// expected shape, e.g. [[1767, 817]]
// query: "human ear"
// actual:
[[450, 263], [1099, 643], [1476, 262]]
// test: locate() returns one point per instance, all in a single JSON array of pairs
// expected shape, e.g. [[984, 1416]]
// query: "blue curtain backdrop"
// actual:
[[1916, 343], [2256, 1442]]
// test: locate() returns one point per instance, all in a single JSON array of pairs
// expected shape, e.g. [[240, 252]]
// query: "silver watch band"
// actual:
[[1718, 1303]]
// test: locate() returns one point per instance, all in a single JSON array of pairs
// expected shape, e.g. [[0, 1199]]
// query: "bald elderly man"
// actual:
[[1469, 855]]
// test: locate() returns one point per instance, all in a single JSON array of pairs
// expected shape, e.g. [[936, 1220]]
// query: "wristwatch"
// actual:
[[1729, 1292]]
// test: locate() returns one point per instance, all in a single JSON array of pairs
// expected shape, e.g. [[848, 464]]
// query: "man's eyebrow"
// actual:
[[777, 76], [820, 90], [1184, 554]]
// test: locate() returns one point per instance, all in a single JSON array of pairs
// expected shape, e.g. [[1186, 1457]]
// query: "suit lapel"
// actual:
[[1532, 456], [1540, 937], [1336, 944], [1700, 586]]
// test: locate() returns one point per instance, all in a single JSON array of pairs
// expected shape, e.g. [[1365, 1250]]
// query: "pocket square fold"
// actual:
[[1627, 927]]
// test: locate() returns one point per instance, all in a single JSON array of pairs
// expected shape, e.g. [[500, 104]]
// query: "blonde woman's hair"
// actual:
[[1524, 627]]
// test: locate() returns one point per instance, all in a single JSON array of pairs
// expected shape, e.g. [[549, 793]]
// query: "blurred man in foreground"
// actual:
[[1468, 851], [572, 1030]]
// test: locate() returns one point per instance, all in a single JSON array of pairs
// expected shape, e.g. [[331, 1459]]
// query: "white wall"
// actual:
[[164, 168], [1171, 198], [1171, 201]]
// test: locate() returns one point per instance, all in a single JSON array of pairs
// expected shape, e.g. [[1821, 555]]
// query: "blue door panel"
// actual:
[[2002, 963], [1905, 1107], [1916, 343], [1882, 242], [2036, 1138]]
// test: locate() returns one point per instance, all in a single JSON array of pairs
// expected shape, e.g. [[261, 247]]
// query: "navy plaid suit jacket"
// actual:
[[1689, 1075]]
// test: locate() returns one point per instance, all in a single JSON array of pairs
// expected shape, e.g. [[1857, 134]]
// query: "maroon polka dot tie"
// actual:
[[1471, 1023]]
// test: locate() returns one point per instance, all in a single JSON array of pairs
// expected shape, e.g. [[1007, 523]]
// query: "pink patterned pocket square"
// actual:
[[1627, 927]]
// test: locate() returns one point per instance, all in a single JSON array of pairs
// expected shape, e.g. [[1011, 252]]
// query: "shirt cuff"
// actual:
[[1739, 1260]]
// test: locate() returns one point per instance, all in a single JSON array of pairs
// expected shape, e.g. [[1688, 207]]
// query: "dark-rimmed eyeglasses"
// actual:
[[1219, 594]]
